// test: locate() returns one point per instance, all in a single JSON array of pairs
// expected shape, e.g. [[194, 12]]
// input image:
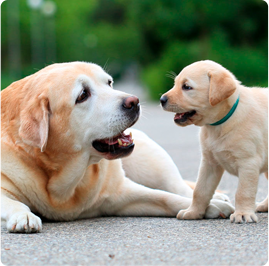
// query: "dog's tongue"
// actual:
[[125, 140], [178, 116], [122, 139]]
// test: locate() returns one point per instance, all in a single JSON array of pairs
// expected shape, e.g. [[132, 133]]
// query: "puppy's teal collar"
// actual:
[[226, 117]]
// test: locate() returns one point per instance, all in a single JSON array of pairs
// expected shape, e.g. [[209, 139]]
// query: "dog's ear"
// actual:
[[222, 86], [34, 128]]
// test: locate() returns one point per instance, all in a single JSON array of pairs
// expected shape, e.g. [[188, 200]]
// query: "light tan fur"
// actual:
[[50, 168], [193, 184], [239, 145]]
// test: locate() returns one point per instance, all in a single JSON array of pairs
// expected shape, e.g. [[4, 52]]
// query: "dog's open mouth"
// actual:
[[115, 147], [183, 117]]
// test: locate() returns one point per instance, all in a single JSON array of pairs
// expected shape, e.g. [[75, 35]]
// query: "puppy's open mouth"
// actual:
[[183, 117], [115, 147]]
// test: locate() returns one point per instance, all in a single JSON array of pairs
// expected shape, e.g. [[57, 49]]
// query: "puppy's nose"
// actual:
[[131, 102], [163, 100]]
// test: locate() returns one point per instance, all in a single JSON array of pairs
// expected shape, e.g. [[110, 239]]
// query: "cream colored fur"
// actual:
[[50, 168], [239, 145]]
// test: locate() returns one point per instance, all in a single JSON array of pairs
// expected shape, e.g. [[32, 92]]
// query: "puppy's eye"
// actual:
[[109, 83], [83, 96], [186, 87]]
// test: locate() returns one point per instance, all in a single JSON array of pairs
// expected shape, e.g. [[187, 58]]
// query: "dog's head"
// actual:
[[72, 107], [199, 92]]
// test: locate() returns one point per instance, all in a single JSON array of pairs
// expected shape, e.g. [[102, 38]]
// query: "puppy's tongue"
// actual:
[[179, 116]]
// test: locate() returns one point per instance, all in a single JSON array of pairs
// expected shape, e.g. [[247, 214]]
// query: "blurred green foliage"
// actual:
[[157, 35]]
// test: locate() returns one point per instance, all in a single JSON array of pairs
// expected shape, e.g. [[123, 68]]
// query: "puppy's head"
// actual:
[[72, 107], [198, 92]]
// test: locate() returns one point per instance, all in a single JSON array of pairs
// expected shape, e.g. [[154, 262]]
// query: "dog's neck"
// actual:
[[224, 111], [228, 115]]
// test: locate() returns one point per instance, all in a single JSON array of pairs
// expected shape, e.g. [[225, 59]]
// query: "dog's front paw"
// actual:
[[189, 214], [24, 222], [221, 196], [219, 208], [241, 217]]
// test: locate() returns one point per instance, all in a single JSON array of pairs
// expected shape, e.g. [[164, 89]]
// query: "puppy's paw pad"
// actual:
[[239, 217], [189, 215], [24, 222]]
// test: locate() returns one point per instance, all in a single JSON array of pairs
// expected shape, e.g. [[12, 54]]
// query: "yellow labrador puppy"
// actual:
[[234, 134], [62, 134]]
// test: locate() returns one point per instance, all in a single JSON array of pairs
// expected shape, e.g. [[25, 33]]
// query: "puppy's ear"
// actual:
[[222, 86], [34, 128]]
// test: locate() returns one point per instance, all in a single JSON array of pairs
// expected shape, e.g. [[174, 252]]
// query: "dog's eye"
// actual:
[[186, 87], [109, 82], [83, 96]]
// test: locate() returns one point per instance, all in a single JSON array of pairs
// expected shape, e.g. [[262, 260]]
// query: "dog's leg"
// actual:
[[151, 166], [208, 180], [18, 217], [245, 196], [263, 206], [133, 199]]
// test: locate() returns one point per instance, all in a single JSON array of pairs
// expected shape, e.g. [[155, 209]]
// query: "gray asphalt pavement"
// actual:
[[148, 241]]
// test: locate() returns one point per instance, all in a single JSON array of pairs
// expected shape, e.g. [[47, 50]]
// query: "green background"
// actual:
[[153, 37]]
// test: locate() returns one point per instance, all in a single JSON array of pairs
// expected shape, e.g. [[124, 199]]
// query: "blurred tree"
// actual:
[[158, 35]]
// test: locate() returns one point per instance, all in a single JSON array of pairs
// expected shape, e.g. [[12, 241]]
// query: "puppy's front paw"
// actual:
[[24, 222], [219, 208], [241, 217], [189, 214]]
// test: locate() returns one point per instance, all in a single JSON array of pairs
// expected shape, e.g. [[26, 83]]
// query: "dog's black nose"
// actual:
[[163, 100], [131, 102]]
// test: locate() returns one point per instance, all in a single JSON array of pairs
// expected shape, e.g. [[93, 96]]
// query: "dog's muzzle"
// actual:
[[120, 145]]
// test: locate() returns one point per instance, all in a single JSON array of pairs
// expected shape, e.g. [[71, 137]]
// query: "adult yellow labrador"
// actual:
[[234, 134], [62, 134]]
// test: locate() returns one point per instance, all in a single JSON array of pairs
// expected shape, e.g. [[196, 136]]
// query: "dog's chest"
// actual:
[[224, 155], [227, 160]]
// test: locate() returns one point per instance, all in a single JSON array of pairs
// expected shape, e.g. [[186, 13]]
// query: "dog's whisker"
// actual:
[[105, 66], [141, 103], [171, 73], [143, 106], [169, 76], [143, 116], [145, 112]]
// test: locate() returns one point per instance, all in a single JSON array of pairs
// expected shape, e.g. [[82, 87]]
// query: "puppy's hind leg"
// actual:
[[263, 206], [18, 217]]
